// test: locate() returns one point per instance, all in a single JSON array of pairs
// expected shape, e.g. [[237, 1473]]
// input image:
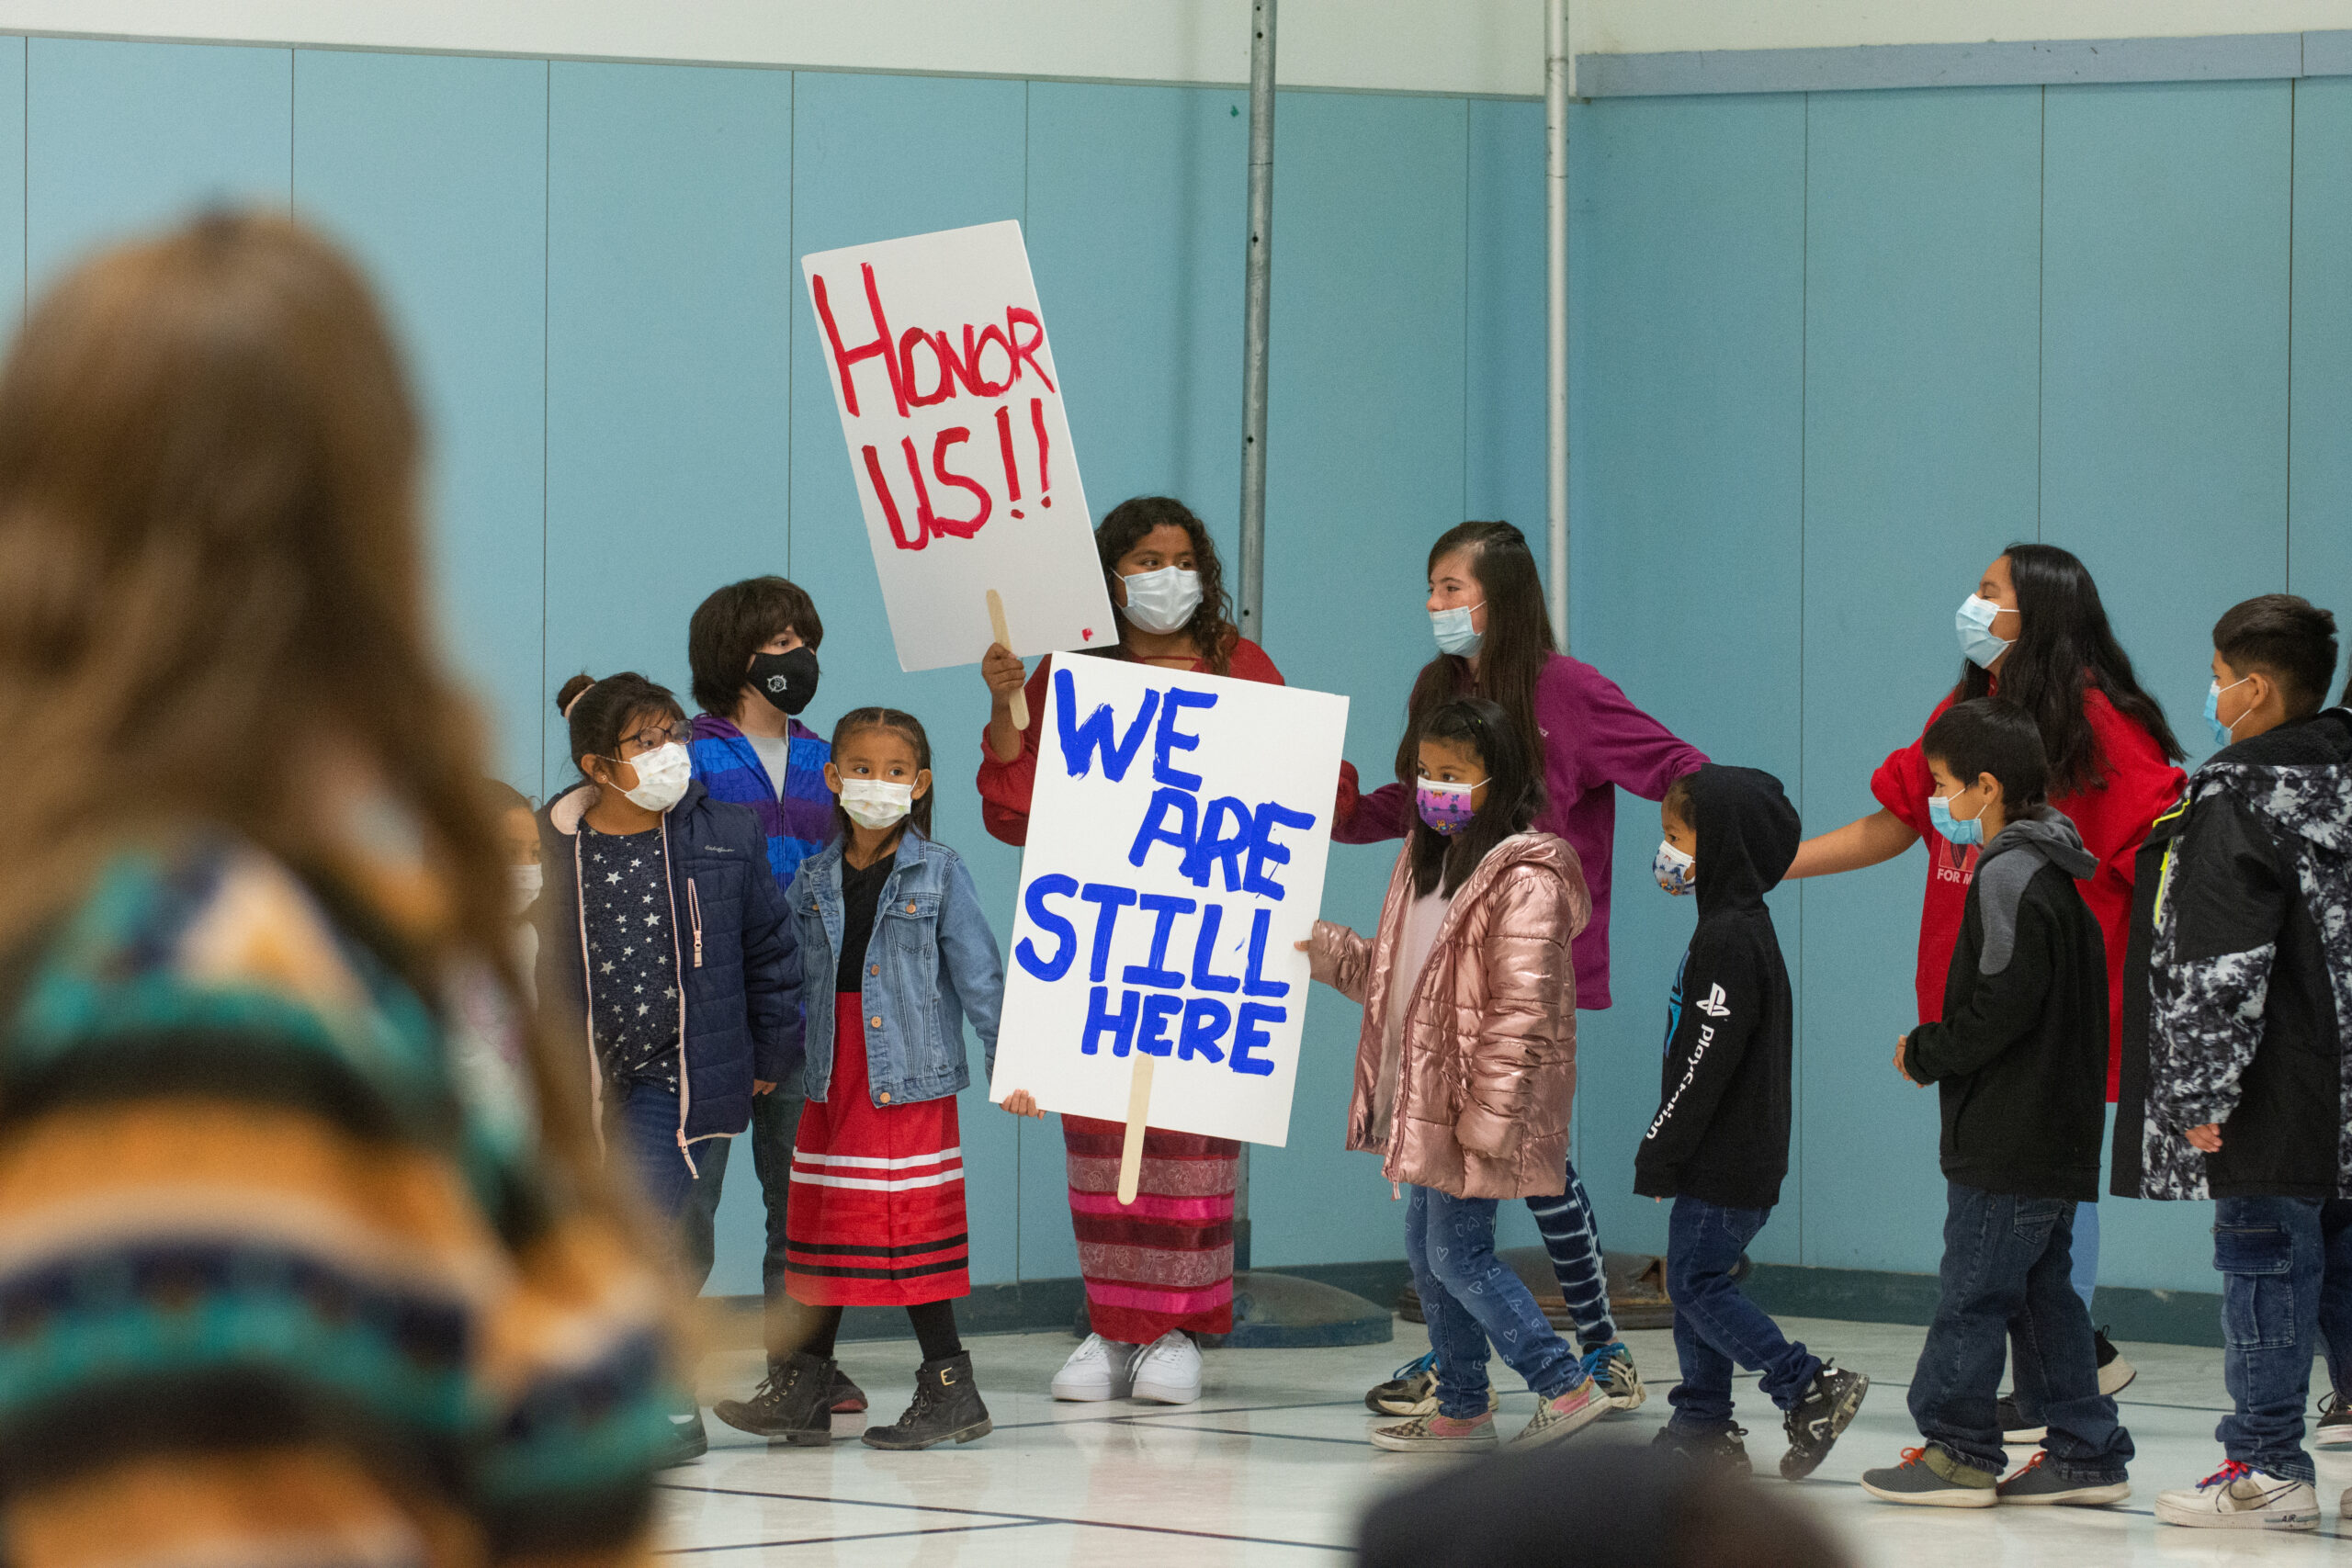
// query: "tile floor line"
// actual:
[[1172, 1410], [835, 1540], [1003, 1514]]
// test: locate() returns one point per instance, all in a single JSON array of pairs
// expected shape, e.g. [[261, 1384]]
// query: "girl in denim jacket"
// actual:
[[895, 954]]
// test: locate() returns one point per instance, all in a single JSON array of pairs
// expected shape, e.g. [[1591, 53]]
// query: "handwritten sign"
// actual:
[[1176, 853], [949, 399]]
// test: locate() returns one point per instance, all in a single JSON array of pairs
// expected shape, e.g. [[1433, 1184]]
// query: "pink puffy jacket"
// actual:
[[1486, 1060]]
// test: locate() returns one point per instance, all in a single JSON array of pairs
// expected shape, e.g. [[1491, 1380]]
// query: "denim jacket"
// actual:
[[937, 963]]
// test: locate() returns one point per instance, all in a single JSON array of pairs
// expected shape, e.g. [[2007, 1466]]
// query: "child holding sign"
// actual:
[[1465, 1068], [895, 954]]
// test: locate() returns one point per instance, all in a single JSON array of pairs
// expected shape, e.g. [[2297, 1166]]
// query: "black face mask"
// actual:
[[787, 680]]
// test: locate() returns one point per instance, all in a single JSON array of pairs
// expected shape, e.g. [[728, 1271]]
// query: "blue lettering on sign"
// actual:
[[1170, 738], [1110, 900], [1263, 851], [1151, 1037], [1100, 1020], [1205, 1021], [1248, 1037], [1083, 738], [1204, 953], [1065, 935], [1165, 908], [1212, 847]]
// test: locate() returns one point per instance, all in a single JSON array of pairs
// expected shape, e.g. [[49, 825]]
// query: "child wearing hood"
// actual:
[[1719, 1145], [2019, 1059]]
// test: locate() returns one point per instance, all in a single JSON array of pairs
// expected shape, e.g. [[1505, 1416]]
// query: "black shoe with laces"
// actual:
[[2334, 1428], [1718, 1449], [848, 1399], [946, 1407], [794, 1404], [2115, 1373], [2014, 1425], [1813, 1422]]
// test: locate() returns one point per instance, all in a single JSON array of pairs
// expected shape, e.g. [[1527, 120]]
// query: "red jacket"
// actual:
[[2136, 784], [1006, 787]]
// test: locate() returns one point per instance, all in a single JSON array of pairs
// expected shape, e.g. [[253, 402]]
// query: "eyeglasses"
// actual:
[[652, 739]]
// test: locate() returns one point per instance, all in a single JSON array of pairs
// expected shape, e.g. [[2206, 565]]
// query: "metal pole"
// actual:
[[1260, 272], [1555, 189]]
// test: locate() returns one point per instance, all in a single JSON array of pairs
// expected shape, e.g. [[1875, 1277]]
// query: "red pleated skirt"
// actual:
[[877, 1214], [1166, 1261]]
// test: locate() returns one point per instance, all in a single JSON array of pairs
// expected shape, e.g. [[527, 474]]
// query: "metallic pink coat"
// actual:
[[1486, 1058]]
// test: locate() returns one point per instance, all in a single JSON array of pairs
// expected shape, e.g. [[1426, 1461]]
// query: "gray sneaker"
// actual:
[[2038, 1483], [1612, 1368], [1933, 1478]]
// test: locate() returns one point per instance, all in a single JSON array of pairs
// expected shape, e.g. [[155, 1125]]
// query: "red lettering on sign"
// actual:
[[961, 529], [890, 507], [844, 359], [1026, 348]]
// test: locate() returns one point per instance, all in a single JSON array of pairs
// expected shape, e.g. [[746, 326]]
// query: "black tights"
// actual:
[[934, 1325]]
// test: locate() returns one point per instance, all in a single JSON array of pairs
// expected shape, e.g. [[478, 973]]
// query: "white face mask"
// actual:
[[1456, 632], [661, 777], [1163, 601], [876, 802], [525, 882]]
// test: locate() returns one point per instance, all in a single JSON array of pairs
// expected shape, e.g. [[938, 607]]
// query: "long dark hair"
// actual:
[[898, 722], [1518, 641], [1514, 791], [1211, 628], [2064, 648], [600, 713]]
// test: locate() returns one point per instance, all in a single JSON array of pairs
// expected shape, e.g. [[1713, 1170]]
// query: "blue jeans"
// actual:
[[2007, 1264], [776, 1121], [1716, 1325], [2286, 1267], [644, 1130], [1470, 1296]]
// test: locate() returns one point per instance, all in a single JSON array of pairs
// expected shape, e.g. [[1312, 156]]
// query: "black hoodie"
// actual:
[[2020, 1055], [1721, 1131], [2243, 924]]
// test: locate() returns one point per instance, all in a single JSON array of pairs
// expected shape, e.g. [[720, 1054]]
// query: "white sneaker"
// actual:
[[1168, 1372], [1096, 1370], [2236, 1497]]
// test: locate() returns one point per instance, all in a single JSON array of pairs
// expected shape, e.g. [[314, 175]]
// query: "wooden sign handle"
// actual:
[[1131, 1152], [1004, 638]]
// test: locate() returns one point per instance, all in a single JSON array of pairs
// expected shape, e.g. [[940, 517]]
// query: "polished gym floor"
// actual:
[[1271, 1468]]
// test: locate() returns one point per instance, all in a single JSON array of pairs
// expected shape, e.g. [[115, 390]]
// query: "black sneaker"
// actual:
[[2334, 1428], [2115, 1373], [1718, 1449], [946, 1407], [1813, 1422], [2015, 1428], [794, 1404]]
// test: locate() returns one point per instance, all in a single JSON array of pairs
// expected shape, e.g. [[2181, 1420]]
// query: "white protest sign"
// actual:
[[952, 410], [1176, 852]]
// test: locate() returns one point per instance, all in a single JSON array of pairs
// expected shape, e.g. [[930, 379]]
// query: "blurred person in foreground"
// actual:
[[276, 1285], [1602, 1505]]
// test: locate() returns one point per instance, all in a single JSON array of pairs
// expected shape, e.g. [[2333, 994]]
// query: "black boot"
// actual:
[[793, 1405], [689, 1440], [947, 1405]]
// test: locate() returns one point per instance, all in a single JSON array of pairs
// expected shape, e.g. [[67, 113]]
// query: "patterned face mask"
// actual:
[[1676, 871], [1445, 807]]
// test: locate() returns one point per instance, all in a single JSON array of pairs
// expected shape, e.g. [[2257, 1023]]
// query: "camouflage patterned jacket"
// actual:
[[2246, 920]]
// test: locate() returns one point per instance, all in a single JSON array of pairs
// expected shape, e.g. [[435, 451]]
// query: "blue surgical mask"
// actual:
[[1454, 632], [1676, 871], [1975, 624], [1960, 832], [2223, 734]]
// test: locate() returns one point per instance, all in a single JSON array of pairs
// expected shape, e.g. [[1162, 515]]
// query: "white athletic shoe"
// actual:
[[1168, 1371], [1095, 1372], [2236, 1497]]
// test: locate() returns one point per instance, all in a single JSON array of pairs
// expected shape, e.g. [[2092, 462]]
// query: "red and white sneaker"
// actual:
[[1565, 1416], [1434, 1433]]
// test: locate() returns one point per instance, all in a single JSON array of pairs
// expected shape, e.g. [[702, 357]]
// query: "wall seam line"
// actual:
[[791, 287], [2287, 542], [2041, 303], [1467, 250], [1804, 430], [547, 342]]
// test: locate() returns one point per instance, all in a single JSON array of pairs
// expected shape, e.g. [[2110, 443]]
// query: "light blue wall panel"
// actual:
[[12, 181], [876, 157], [1503, 390], [2164, 360], [2164, 395], [1922, 287], [435, 169], [1364, 469], [1136, 224], [1688, 245], [2318, 531], [124, 135], [669, 286]]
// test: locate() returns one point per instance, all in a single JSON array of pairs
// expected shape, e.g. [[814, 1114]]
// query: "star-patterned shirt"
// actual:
[[632, 954]]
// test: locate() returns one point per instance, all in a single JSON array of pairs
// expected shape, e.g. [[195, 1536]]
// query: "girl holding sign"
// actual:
[[1467, 1065], [1160, 1270], [895, 954], [1494, 641]]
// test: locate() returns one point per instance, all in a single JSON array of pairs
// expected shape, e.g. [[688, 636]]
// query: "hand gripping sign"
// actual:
[[1180, 827], [952, 410]]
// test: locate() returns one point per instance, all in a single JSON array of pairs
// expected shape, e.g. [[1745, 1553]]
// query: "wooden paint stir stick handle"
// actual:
[[1004, 639]]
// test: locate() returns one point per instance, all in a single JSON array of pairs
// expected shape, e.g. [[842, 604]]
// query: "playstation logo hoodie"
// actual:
[[1722, 1129]]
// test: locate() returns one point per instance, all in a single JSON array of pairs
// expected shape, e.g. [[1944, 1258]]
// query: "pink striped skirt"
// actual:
[[1166, 1261]]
